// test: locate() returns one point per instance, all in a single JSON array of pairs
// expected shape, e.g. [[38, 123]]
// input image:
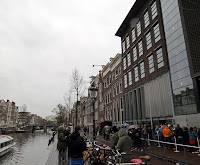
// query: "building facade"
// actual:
[[160, 61], [181, 26], [8, 113], [146, 78]]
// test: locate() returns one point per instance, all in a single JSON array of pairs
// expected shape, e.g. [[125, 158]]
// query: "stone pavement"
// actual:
[[53, 156]]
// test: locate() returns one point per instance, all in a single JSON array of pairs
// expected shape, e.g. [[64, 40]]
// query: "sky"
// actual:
[[42, 41]]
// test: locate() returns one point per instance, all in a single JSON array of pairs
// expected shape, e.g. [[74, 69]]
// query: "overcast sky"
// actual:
[[41, 41]]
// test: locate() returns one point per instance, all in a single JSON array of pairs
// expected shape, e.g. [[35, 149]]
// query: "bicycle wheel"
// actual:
[[87, 162]]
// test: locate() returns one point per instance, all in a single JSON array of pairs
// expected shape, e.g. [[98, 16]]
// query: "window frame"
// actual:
[[136, 73], [151, 68]]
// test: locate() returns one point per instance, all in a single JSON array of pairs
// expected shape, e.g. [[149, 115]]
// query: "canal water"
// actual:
[[30, 149]]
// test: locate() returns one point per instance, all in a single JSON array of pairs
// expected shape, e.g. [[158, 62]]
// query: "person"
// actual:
[[192, 137], [61, 145], [178, 133], [107, 132], [67, 133], [124, 144], [114, 137], [85, 130], [76, 147], [185, 137], [137, 137], [166, 134]]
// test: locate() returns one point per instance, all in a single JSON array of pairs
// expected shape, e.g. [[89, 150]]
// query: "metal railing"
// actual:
[[175, 143]]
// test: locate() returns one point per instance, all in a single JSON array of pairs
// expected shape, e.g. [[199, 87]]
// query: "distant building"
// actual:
[[8, 113], [24, 117]]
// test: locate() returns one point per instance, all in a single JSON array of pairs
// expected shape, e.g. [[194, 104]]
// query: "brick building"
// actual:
[[161, 62], [146, 78]]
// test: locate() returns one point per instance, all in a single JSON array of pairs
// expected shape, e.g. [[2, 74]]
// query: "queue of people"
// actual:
[[165, 133], [71, 146]]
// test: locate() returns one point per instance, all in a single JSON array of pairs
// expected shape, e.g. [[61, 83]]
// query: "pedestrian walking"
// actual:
[[76, 147], [61, 145]]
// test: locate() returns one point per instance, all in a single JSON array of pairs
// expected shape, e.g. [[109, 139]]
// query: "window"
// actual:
[[123, 47], [117, 88], [108, 81], [110, 77], [156, 30], [133, 34], [130, 78], [119, 70], [125, 80], [134, 54], [124, 62], [136, 74], [127, 41], [151, 64], [146, 19], [113, 75], [113, 90], [154, 10], [120, 85], [116, 73], [159, 54], [140, 47], [142, 70], [121, 103], [129, 59], [148, 39], [138, 28]]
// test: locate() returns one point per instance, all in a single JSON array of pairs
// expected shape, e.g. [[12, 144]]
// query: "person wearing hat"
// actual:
[[124, 145]]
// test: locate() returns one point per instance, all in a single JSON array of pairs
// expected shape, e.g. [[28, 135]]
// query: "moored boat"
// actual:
[[6, 143]]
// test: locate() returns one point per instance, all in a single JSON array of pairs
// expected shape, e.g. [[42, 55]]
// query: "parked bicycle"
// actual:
[[99, 155]]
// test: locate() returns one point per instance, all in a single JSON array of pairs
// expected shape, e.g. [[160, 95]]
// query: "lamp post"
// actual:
[[93, 94]]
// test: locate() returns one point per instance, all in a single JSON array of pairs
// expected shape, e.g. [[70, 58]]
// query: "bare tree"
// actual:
[[68, 102], [77, 86], [60, 112]]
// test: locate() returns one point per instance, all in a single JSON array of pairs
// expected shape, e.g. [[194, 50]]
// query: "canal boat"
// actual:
[[6, 143]]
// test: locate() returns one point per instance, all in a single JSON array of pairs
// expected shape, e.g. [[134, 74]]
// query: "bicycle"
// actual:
[[118, 159]]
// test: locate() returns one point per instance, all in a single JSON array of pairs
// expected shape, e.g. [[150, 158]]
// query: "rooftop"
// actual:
[[132, 13]]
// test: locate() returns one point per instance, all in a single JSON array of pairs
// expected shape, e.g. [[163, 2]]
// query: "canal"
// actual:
[[30, 149]]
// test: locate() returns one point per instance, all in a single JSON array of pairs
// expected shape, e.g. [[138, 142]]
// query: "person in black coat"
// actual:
[[76, 146]]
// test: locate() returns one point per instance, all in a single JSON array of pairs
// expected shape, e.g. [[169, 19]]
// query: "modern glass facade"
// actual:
[[182, 83]]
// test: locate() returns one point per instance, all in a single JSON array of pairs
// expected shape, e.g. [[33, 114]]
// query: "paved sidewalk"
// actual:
[[53, 156]]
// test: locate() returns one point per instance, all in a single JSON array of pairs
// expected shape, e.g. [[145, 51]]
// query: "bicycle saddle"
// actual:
[[146, 157]]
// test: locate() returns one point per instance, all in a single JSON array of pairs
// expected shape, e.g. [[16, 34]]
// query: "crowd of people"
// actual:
[[163, 133], [71, 145]]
